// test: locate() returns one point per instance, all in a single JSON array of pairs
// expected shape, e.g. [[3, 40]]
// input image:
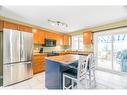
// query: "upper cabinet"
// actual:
[[55, 36], [24, 28], [36, 37], [14, 26], [10, 25], [39, 36], [1, 25], [66, 39], [59, 39], [87, 36], [49, 35]]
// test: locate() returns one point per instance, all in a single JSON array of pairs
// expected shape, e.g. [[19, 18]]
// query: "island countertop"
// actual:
[[64, 59]]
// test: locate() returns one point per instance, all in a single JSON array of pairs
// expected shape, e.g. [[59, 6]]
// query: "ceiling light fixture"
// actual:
[[57, 23]]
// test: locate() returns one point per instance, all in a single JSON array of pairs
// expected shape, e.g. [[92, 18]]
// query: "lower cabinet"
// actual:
[[38, 63]]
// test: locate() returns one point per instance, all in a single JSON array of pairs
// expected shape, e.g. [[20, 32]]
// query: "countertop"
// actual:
[[64, 59], [67, 52], [37, 53]]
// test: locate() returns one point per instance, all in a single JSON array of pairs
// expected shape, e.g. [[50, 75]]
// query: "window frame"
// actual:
[[78, 42]]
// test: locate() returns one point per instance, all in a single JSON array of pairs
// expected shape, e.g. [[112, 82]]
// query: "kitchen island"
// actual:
[[55, 65]]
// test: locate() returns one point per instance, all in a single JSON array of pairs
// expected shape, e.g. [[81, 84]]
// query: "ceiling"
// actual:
[[77, 17]]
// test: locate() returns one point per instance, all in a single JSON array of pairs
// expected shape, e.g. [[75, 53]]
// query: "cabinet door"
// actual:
[[42, 66], [50, 35], [42, 57], [42, 63], [87, 36], [36, 62], [1, 25], [39, 67], [10, 25], [36, 68], [66, 40], [41, 36], [39, 63], [61, 39], [36, 37], [24, 28]]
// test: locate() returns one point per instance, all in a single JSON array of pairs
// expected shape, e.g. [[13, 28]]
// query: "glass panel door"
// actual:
[[111, 51], [120, 52], [105, 51]]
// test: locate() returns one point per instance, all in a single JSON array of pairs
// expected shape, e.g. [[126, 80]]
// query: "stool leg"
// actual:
[[63, 82], [77, 84], [93, 80], [72, 83], [89, 78], [94, 77]]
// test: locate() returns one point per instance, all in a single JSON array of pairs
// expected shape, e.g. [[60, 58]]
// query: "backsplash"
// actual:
[[88, 48], [37, 48]]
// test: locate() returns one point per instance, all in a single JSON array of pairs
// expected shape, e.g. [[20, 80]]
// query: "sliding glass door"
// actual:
[[119, 52], [104, 51], [111, 50]]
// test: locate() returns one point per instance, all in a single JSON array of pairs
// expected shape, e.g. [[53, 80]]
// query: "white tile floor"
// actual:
[[104, 80], [37, 82]]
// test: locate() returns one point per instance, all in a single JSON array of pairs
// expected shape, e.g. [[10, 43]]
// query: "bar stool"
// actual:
[[91, 71], [72, 78]]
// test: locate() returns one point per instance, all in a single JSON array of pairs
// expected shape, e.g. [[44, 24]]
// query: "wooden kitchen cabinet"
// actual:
[[1, 25], [39, 36], [66, 40], [39, 63], [49, 35], [36, 37], [24, 28], [10, 25], [55, 36], [35, 68], [87, 37], [59, 39], [14, 26]]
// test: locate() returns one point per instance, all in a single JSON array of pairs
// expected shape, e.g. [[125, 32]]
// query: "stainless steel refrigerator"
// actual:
[[17, 56]]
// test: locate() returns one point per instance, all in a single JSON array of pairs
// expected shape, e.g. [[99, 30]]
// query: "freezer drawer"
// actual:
[[29, 70], [14, 73], [10, 74]]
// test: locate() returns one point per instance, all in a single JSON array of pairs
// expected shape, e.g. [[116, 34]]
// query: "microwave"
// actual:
[[50, 42]]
